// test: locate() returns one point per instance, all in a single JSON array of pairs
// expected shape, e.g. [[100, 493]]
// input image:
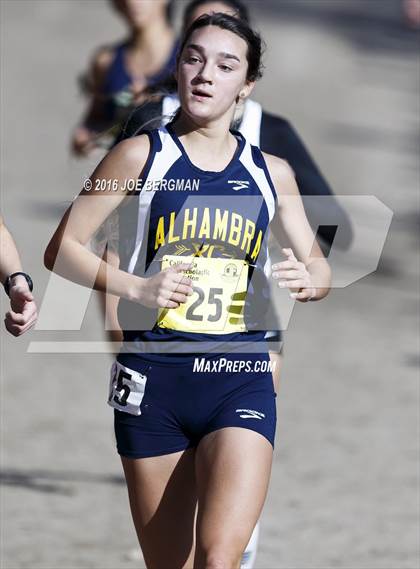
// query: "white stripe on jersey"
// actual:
[[250, 125], [170, 105], [260, 179], [162, 162]]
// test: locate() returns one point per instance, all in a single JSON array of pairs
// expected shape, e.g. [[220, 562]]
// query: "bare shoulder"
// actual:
[[277, 166], [126, 160], [133, 150], [281, 173], [118, 171], [99, 65]]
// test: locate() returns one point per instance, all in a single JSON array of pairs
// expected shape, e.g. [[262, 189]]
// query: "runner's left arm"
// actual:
[[306, 271]]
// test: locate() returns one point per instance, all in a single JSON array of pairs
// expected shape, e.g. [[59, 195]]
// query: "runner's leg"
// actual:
[[163, 502], [225, 480]]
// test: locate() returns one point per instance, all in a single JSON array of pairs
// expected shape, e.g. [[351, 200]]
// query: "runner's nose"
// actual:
[[206, 73]]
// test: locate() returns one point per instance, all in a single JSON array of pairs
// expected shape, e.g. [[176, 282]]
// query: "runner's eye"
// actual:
[[191, 59]]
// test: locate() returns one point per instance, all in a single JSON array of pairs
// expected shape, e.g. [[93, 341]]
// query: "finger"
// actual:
[[171, 304], [19, 330], [31, 318], [307, 291], [285, 265], [28, 326], [21, 294], [16, 329], [297, 283], [182, 267], [16, 306], [184, 289], [11, 328], [16, 318], [290, 274], [305, 294], [182, 279], [180, 298], [289, 253], [26, 295], [172, 284], [29, 309], [28, 314], [165, 302]]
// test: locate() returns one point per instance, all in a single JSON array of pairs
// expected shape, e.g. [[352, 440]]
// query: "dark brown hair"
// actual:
[[241, 11]]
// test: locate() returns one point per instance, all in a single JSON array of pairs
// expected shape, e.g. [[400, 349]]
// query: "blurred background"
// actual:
[[344, 490]]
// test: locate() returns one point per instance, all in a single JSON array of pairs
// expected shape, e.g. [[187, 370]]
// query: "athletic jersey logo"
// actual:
[[250, 414], [240, 184]]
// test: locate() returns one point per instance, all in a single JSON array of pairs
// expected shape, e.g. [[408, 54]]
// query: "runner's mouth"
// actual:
[[200, 93]]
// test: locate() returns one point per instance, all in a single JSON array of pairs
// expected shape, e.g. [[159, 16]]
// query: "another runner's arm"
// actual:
[[280, 138], [95, 116], [22, 314], [149, 114], [94, 119], [9, 258], [67, 254], [290, 223]]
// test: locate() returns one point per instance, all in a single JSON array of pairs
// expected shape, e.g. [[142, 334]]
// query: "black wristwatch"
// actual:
[[8, 281]]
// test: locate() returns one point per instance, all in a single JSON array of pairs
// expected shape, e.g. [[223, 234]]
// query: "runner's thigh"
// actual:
[[233, 468], [163, 500]]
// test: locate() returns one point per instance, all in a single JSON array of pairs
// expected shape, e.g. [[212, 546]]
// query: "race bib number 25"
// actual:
[[126, 389], [217, 303]]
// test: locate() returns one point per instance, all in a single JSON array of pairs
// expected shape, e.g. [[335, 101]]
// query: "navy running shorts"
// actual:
[[160, 409]]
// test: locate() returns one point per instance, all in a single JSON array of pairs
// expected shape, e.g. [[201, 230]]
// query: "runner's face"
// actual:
[[212, 73], [209, 8], [140, 13]]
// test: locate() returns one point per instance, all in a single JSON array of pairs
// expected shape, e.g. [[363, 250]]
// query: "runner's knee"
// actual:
[[219, 557]]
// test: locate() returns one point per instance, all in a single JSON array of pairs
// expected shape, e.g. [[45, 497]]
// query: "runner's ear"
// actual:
[[247, 89]]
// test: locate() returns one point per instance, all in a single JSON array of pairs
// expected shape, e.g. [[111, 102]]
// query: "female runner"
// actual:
[[118, 77], [273, 134], [120, 73], [194, 404]]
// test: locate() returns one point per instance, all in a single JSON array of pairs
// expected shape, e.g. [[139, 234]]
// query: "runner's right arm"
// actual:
[[67, 253]]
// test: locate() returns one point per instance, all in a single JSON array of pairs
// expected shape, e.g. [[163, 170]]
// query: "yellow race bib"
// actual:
[[217, 304]]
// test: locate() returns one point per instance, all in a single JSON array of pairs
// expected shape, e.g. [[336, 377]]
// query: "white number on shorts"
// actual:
[[126, 389]]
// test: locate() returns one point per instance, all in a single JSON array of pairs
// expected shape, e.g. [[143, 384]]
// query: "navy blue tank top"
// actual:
[[118, 80], [218, 222]]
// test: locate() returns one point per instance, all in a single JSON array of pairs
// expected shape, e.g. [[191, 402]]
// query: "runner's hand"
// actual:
[[167, 289], [293, 274], [83, 141], [137, 88], [23, 312]]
